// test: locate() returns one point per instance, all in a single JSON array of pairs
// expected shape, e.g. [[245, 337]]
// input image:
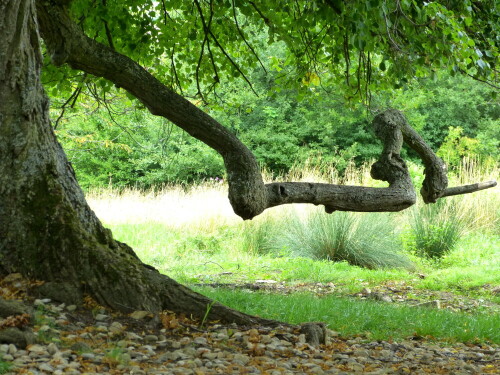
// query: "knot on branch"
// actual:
[[391, 167], [435, 182]]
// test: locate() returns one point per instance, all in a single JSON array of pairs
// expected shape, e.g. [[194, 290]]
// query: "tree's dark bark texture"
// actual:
[[47, 230]]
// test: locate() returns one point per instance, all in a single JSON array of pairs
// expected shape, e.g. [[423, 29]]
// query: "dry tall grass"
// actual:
[[201, 205], [206, 205]]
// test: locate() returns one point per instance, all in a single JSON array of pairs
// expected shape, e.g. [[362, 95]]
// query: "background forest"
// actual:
[[114, 142]]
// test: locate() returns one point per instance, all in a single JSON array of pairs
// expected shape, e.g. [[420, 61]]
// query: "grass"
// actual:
[[379, 321], [5, 366], [366, 240], [193, 236], [435, 229]]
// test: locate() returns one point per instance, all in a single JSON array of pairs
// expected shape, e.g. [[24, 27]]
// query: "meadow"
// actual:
[[311, 266]]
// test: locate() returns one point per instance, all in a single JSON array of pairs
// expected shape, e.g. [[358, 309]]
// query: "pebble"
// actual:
[[150, 338], [99, 317], [255, 351]]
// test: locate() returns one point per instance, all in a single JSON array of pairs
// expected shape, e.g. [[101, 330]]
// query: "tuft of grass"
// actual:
[[117, 356], [379, 321], [258, 236], [5, 366], [366, 240], [435, 229]]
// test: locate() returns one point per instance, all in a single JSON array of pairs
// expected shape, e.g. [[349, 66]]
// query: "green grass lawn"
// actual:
[[194, 258], [196, 239], [376, 320]]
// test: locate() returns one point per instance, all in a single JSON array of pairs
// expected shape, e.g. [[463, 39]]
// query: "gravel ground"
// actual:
[[92, 340]]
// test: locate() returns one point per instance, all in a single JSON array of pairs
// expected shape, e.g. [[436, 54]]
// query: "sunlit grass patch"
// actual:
[[204, 205], [193, 235], [377, 320]]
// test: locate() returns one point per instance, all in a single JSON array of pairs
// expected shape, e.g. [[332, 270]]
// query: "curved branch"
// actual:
[[390, 167], [68, 44], [436, 180], [247, 193]]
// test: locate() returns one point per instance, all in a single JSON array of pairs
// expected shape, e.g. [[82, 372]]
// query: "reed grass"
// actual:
[[192, 233]]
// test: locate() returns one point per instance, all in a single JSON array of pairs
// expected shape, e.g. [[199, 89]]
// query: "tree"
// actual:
[[48, 232]]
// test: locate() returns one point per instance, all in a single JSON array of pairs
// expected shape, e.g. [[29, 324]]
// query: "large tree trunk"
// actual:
[[47, 230]]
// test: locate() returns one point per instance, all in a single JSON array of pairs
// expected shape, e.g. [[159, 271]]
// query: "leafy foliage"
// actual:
[[302, 59], [125, 146], [358, 47]]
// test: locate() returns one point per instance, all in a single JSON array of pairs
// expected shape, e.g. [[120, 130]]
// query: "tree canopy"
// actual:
[[358, 46]]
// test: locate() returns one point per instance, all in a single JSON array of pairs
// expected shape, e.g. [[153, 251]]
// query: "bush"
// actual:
[[259, 235], [435, 229], [366, 240]]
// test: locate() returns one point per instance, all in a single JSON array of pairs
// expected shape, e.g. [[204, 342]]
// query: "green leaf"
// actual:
[[482, 64]]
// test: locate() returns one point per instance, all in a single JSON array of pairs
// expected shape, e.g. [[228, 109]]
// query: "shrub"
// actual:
[[435, 229], [366, 240]]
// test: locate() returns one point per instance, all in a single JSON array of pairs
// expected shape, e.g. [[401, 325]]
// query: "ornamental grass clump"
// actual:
[[435, 229], [366, 240]]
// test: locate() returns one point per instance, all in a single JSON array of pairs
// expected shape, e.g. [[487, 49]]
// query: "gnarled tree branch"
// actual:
[[248, 194]]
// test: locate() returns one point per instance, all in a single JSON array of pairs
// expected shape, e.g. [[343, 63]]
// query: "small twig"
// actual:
[[73, 98], [214, 263], [236, 66], [165, 12], [123, 128], [174, 69], [400, 10], [479, 79], [394, 44], [266, 20], [108, 31], [206, 40], [244, 39], [347, 58]]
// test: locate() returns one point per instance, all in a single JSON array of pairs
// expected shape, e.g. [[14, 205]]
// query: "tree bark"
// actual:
[[47, 230]]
